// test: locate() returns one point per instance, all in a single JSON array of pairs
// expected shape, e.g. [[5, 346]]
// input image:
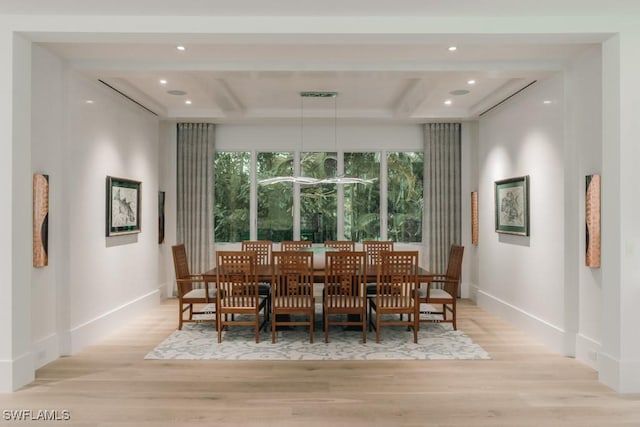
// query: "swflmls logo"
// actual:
[[37, 415]]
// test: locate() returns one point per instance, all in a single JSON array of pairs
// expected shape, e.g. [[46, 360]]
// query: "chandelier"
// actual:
[[305, 180]]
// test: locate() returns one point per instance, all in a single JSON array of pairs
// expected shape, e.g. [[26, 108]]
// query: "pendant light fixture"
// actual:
[[304, 180]]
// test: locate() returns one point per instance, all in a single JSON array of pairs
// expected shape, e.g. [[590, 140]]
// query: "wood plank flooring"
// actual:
[[110, 384]]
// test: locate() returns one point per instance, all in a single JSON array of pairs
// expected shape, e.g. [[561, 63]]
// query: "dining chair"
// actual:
[[295, 245], [343, 293], [373, 248], [263, 249], [340, 245], [192, 289], [396, 293], [442, 290], [292, 300], [239, 300]]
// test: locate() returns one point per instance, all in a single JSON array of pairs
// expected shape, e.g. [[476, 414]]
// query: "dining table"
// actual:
[[265, 274]]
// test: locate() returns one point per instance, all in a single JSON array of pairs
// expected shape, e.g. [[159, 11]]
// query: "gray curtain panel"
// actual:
[[442, 191], [196, 146]]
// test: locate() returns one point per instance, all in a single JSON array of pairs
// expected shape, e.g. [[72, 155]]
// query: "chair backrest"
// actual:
[[262, 249], [292, 279], [344, 276], [397, 279], [340, 245], [454, 268], [236, 278], [181, 266], [373, 249], [294, 245], [180, 261]]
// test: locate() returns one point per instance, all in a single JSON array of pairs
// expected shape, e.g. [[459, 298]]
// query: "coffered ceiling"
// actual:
[[250, 78]]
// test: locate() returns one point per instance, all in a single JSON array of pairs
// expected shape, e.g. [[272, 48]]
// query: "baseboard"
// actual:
[[587, 350], [16, 373], [621, 376], [549, 335], [98, 328], [45, 350]]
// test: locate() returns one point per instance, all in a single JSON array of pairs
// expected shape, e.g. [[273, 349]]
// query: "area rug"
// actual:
[[198, 341]]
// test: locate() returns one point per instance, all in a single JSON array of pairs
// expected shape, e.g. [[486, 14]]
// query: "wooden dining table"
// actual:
[[265, 274]]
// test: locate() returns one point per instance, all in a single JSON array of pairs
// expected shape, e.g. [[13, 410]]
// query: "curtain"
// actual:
[[196, 144], [443, 191]]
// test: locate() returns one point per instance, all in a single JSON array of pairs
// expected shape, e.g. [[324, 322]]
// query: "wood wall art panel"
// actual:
[[592, 219], [40, 220]]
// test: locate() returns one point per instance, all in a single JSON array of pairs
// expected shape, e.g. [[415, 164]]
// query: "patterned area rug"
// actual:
[[198, 341]]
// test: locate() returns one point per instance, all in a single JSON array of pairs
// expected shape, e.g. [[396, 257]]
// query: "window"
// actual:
[[362, 201], [232, 191], [405, 196], [318, 203], [277, 204], [275, 201]]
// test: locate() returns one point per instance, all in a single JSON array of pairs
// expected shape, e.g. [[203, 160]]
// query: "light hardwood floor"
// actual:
[[109, 384]]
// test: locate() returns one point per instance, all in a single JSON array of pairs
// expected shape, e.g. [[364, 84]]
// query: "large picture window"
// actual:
[[318, 203], [362, 201], [232, 193], [275, 201], [277, 204], [405, 196]]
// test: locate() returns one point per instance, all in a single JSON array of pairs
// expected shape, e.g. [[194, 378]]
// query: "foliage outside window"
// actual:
[[362, 201], [275, 201], [318, 203], [405, 172], [232, 191]]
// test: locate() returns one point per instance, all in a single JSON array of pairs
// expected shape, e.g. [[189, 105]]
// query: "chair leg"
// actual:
[[364, 326], [326, 325], [273, 330], [219, 321], [312, 320], [453, 314]]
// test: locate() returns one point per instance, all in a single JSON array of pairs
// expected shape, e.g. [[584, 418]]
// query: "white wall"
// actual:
[[522, 278], [93, 284], [584, 118]]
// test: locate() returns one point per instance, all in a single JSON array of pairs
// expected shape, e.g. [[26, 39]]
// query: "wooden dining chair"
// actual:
[[396, 293], [373, 248], [263, 249], [239, 300], [292, 300], [295, 245], [343, 293], [192, 289], [442, 290], [340, 245]]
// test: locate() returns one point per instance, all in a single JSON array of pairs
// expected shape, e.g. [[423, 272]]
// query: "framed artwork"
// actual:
[[592, 219], [40, 220], [512, 205], [123, 206]]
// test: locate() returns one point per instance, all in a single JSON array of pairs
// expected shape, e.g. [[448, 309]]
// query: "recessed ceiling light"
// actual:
[[163, 82], [546, 101], [181, 48], [448, 102], [471, 82], [89, 101], [452, 48], [188, 102]]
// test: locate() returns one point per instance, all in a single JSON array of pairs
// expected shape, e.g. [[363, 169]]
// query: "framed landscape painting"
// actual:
[[512, 205], [123, 206]]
